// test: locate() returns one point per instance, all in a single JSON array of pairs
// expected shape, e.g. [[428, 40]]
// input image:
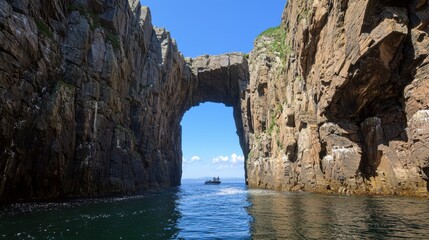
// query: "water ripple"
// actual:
[[226, 211]]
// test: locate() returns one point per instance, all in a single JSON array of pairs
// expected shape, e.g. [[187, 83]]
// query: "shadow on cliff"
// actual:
[[372, 98]]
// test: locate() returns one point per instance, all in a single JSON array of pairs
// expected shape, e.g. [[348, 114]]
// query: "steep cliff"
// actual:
[[79, 80], [91, 98], [92, 95], [337, 99]]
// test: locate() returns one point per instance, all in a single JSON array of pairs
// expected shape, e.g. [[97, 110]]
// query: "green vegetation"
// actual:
[[246, 56], [77, 7], [271, 32], [43, 28], [258, 138], [304, 14], [250, 155], [93, 18], [279, 45], [61, 83], [306, 11], [113, 39], [279, 108], [279, 144], [273, 124]]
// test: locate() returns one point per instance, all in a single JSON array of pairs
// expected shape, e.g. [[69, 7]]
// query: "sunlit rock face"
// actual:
[[92, 95], [91, 98], [344, 107]]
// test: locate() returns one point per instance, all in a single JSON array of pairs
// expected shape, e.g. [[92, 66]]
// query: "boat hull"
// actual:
[[212, 182]]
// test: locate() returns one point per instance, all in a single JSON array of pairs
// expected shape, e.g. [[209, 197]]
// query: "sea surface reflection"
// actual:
[[226, 211], [313, 216]]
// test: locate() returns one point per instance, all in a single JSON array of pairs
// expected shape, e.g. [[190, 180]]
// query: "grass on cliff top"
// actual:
[[271, 32], [278, 45]]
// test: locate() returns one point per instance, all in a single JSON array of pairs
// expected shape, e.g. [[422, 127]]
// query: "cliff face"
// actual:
[[337, 99], [91, 98], [79, 80]]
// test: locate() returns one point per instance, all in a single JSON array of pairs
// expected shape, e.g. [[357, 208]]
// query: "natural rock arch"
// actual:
[[92, 96], [92, 105], [222, 79]]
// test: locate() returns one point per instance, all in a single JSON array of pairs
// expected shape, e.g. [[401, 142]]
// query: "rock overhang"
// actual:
[[220, 78]]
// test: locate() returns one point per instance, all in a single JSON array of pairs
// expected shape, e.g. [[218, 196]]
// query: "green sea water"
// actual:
[[226, 211]]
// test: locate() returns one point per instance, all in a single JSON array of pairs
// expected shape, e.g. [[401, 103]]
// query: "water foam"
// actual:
[[230, 191]]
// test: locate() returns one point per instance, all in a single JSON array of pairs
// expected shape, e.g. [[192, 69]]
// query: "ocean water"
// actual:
[[226, 211]]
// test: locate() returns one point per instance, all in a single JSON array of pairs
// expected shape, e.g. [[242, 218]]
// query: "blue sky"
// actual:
[[210, 143]]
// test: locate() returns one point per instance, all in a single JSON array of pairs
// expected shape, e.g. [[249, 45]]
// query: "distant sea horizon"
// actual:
[[210, 177]]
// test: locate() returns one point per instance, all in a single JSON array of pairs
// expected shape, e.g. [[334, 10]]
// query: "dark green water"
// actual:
[[226, 211]]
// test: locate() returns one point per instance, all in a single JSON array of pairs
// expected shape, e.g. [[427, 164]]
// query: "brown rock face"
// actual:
[[344, 108], [91, 98]]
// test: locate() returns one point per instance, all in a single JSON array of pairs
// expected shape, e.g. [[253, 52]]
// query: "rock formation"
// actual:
[[91, 98], [339, 103], [92, 95]]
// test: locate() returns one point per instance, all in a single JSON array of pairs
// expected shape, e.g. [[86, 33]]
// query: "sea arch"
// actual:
[[221, 79], [104, 118]]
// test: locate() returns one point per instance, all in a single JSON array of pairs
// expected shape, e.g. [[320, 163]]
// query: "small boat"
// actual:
[[215, 181]]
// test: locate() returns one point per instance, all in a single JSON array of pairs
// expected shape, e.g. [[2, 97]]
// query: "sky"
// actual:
[[210, 144]]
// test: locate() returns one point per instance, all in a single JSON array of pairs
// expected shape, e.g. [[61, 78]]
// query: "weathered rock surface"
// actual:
[[91, 98], [92, 95], [346, 109]]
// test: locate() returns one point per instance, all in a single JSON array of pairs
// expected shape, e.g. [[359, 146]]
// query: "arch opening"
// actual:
[[221, 79], [210, 144]]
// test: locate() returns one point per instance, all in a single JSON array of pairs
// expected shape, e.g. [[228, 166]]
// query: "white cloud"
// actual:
[[225, 166], [228, 161], [220, 159], [193, 159], [236, 158]]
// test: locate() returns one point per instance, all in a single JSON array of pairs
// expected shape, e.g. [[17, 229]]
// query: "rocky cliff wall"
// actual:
[[337, 99], [92, 95], [79, 81]]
